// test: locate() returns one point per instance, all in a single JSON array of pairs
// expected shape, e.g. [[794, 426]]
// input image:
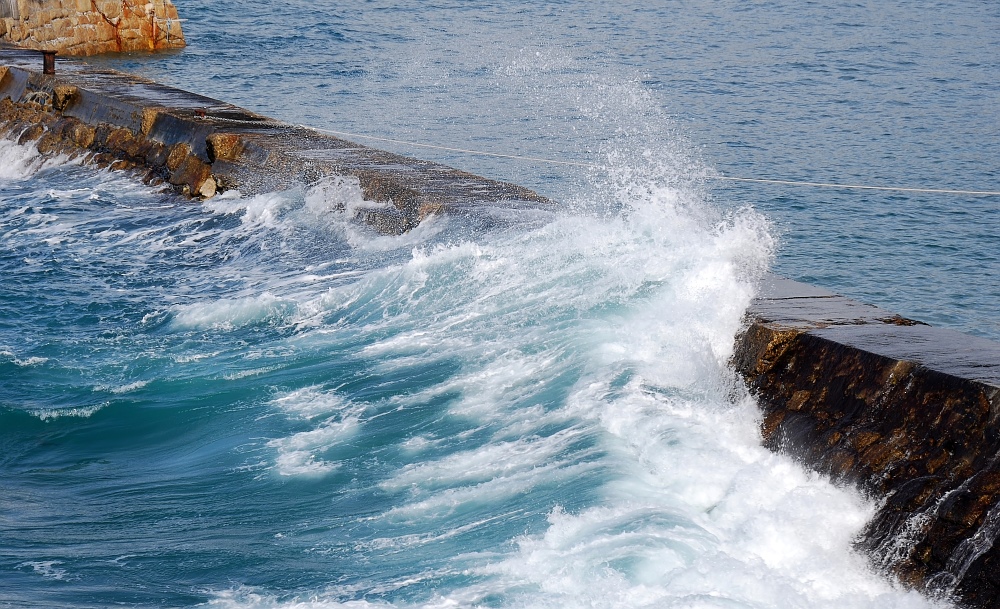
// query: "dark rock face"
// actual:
[[909, 413], [200, 146]]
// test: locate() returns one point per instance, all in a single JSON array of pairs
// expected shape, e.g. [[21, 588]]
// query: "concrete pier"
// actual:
[[201, 146], [907, 412]]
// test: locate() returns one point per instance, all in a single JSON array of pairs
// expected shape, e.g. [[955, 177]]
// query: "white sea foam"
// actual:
[[49, 414], [641, 308], [19, 162], [47, 569], [229, 314], [335, 202], [186, 358], [250, 599], [259, 210], [495, 460], [242, 374], [337, 194], [301, 454], [311, 402], [705, 518], [25, 362], [330, 206], [297, 454], [120, 389], [444, 503], [403, 542]]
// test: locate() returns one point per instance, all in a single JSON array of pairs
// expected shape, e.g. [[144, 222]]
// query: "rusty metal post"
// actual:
[[48, 62]]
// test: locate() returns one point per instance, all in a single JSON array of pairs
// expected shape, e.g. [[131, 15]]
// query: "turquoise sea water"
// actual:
[[255, 402]]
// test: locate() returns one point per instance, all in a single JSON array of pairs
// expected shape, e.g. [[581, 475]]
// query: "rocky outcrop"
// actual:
[[200, 146], [89, 27], [909, 413]]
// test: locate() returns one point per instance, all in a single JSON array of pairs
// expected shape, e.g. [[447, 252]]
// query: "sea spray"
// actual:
[[21, 161], [587, 354]]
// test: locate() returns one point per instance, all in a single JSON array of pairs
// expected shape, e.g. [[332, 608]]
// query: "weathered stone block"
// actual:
[[82, 135], [191, 172], [63, 28], [178, 153], [33, 132], [50, 143], [44, 34], [110, 9], [225, 146], [148, 119], [156, 155], [63, 96], [123, 26], [207, 188]]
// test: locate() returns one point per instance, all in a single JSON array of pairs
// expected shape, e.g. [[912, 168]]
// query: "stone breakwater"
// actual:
[[89, 27], [907, 412], [199, 146]]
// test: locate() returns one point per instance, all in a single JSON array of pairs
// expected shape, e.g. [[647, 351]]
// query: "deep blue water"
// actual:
[[255, 402]]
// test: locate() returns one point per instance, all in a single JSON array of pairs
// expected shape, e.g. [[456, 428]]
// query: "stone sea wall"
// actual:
[[908, 413], [89, 27]]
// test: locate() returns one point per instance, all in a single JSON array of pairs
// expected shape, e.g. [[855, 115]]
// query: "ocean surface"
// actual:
[[255, 402]]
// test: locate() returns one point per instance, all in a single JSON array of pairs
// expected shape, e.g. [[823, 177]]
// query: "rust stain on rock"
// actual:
[[89, 27]]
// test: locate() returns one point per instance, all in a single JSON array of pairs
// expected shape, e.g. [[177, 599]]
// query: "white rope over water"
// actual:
[[946, 191]]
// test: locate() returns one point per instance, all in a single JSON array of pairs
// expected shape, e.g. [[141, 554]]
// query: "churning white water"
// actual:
[[258, 402], [592, 346]]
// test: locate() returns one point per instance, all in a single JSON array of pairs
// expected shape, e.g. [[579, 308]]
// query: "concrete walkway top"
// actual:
[[794, 305]]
